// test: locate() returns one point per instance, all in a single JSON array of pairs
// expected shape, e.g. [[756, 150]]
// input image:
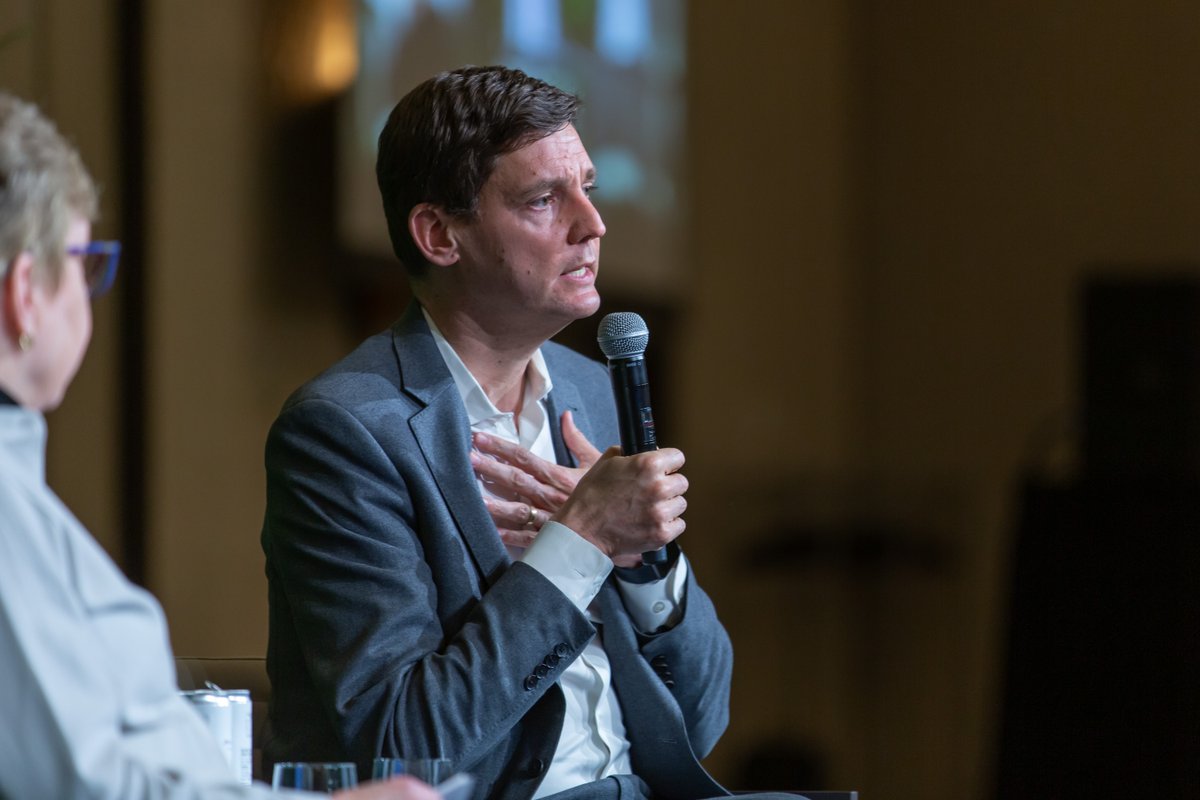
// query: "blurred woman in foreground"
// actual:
[[88, 701]]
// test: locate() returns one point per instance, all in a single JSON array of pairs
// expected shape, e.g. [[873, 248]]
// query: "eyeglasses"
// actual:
[[99, 264]]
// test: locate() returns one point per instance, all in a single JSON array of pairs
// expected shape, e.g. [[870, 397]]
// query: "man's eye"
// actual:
[[541, 202], [587, 190]]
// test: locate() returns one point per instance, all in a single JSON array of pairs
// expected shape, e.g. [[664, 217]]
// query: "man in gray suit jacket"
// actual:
[[454, 570]]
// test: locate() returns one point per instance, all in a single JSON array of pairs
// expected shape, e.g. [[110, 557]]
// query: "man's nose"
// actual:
[[587, 223]]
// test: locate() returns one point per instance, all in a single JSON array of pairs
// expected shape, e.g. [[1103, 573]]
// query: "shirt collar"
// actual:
[[479, 406]]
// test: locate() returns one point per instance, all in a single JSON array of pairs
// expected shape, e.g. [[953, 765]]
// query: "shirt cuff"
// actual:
[[659, 604], [570, 562]]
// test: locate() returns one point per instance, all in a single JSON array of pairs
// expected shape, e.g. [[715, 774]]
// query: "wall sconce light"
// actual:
[[315, 48]]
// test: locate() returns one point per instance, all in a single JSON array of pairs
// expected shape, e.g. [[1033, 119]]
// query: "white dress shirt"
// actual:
[[593, 744]]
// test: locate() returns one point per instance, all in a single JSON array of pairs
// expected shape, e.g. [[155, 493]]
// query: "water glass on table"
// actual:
[[328, 777], [431, 770]]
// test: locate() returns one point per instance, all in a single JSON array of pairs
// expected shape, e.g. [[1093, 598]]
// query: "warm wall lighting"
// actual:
[[335, 54], [316, 48]]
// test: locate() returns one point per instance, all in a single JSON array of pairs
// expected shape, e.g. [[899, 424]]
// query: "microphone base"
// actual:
[[665, 560], [655, 557]]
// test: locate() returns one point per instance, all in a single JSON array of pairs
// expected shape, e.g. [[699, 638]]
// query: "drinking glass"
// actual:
[[384, 768], [431, 770], [328, 777], [292, 775], [334, 776]]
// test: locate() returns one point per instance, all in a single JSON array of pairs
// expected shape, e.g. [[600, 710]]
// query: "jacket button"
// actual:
[[541, 670], [659, 661], [561, 650], [552, 660], [531, 682]]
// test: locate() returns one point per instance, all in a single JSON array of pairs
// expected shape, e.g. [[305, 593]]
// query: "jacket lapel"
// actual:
[[443, 433], [564, 397]]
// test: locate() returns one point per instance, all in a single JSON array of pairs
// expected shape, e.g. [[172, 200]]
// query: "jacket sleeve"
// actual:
[[695, 659], [408, 649]]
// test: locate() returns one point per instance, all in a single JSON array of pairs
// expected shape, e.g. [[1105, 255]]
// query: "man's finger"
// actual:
[[666, 459], [536, 473], [515, 455], [517, 538], [584, 451], [515, 515], [508, 515], [513, 481]]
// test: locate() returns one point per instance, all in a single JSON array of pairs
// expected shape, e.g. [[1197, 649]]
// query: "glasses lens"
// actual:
[[95, 265], [99, 265]]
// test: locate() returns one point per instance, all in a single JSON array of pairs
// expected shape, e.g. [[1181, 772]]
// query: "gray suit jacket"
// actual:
[[398, 623]]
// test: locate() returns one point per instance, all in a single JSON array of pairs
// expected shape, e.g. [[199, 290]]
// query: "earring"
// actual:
[[25, 341]]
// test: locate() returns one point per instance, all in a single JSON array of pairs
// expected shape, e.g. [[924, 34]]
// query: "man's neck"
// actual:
[[497, 360]]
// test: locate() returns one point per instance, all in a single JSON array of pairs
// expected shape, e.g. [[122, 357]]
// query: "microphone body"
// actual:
[[622, 338], [631, 389]]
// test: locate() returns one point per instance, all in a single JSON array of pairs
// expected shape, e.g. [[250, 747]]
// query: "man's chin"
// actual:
[[590, 310], [588, 306], [575, 313]]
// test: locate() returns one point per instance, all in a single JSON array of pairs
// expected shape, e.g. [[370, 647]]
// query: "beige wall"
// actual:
[[891, 204], [224, 350], [1011, 146], [58, 54], [892, 207], [770, 373], [205, 431]]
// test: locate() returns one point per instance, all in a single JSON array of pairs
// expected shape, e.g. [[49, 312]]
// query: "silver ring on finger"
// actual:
[[531, 523]]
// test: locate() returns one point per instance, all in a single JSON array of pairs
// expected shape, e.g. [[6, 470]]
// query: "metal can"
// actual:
[[217, 712], [242, 712]]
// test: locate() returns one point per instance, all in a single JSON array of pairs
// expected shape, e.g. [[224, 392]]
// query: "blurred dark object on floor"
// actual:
[[1101, 695], [1101, 686], [1141, 374], [781, 764]]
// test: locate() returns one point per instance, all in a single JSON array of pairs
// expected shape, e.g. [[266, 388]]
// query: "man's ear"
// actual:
[[18, 296], [430, 229]]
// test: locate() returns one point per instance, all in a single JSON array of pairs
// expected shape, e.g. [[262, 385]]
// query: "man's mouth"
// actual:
[[582, 271]]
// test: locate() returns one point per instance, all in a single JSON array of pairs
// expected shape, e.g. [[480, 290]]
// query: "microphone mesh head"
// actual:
[[623, 335]]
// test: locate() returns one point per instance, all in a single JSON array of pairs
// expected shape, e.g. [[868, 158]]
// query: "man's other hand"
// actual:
[[538, 488]]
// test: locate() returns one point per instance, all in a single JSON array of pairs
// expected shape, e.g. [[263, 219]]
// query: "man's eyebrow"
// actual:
[[555, 182], [537, 187]]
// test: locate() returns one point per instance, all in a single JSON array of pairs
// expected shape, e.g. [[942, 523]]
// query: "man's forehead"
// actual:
[[559, 153]]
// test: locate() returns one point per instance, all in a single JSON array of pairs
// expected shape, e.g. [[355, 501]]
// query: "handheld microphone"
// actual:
[[623, 337]]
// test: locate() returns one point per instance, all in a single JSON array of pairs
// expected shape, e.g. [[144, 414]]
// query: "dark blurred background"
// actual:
[[923, 290]]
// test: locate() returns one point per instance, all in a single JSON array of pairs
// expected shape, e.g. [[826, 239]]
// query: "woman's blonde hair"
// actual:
[[42, 183]]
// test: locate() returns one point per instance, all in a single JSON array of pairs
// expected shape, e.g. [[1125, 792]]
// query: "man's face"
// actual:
[[530, 257]]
